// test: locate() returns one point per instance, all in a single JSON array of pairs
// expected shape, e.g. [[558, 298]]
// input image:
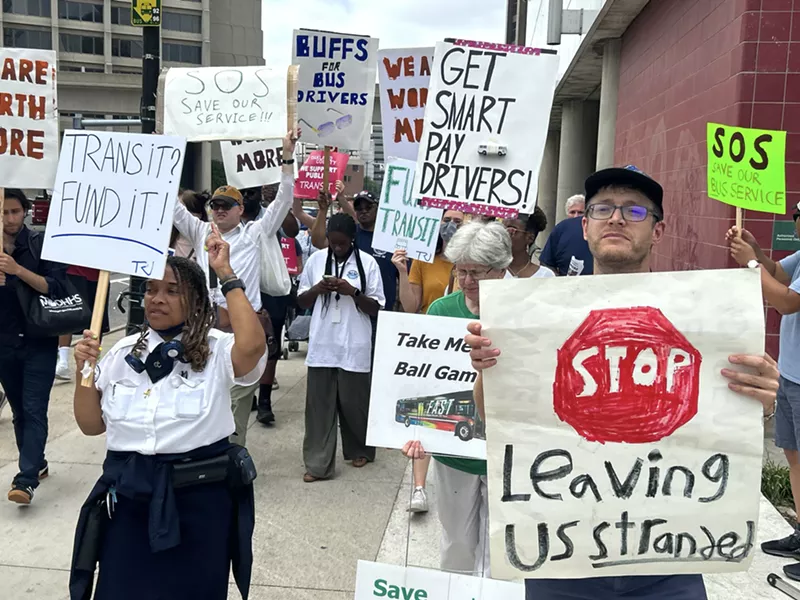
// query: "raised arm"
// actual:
[[302, 216], [86, 401], [189, 226], [277, 210], [319, 236], [345, 203]]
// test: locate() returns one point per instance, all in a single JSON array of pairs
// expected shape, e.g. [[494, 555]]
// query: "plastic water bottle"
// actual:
[[575, 267]]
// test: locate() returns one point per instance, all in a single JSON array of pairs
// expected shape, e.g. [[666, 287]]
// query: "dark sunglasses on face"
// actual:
[[631, 212], [221, 205]]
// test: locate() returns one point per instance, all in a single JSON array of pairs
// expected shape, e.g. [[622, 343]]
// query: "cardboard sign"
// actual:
[[375, 580], [253, 163], [615, 446], [784, 236], [747, 167], [309, 179], [485, 127], [402, 222], [225, 103], [336, 88], [113, 201], [404, 75], [289, 255], [422, 386], [29, 128]]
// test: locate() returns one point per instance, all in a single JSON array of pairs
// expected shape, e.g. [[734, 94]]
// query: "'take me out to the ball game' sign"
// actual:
[[615, 446]]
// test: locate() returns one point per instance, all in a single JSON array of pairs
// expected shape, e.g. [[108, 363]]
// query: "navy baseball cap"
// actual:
[[364, 196], [628, 176]]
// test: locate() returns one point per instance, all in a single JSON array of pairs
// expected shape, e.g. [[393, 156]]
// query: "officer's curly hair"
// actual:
[[199, 313]]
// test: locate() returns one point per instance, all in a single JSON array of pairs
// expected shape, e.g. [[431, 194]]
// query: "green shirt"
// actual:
[[454, 305]]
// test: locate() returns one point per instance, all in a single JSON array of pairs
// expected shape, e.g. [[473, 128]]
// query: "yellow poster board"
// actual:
[[747, 167]]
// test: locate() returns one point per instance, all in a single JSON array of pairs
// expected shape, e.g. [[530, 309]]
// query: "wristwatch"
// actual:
[[287, 162], [232, 284], [752, 264], [357, 293]]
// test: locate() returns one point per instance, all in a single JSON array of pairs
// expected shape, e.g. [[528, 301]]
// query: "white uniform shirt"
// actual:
[[181, 412], [243, 239], [543, 272], [348, 344]]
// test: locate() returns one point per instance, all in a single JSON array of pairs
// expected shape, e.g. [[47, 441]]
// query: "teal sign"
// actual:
[[784, 236]]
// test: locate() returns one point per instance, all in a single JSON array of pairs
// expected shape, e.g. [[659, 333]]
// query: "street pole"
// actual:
[[151, 66]]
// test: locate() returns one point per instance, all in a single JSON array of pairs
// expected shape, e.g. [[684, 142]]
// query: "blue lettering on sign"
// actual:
[[330, 80], [143, 266], [323, 46]]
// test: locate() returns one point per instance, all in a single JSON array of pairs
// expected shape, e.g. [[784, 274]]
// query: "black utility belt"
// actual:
[[235, 466]]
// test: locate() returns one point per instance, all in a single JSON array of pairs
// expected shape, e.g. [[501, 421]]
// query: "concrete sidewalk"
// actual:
[[308, 537]]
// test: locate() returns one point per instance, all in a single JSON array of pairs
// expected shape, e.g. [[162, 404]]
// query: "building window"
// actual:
[[182, 22], [127, 48], [81, 68], [33, 8], [80, 11], [27, 38], [355, 168], [81, 44], [184, 53], [125, 70]]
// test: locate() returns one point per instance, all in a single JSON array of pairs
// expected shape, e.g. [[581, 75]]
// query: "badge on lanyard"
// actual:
[[336, 313]]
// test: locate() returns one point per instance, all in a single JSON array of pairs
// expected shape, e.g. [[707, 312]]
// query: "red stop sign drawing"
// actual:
[[626, 375]]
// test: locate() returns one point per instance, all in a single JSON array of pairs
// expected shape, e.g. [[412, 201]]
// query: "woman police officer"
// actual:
[[174, 505]]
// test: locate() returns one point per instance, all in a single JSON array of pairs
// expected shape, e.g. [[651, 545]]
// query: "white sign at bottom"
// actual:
[[375, 580]]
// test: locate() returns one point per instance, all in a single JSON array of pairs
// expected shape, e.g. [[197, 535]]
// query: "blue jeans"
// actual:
[[27, 370], [657, 587]]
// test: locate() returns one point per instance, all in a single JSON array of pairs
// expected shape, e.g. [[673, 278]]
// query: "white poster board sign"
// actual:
[[253, 163], [225, 103], [113, 200], [375, 580], [422, 386], [614, 444], [29, 111], [485, 127], [336, 87], [402, 222], [404, 75]]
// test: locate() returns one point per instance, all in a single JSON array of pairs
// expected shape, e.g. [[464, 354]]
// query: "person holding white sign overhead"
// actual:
[[479, 251], [624, 219], [227, 207], [173, 509]]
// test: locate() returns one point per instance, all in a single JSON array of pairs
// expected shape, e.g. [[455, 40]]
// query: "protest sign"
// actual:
[[375, 580], [402, 222], [289, 255], [252, 163], [485, 127], [309, 179], [404, 75], [336, 90], [29, 129], [225, 103], [422, 386], [747, 167], [615, 446], [113, 200]]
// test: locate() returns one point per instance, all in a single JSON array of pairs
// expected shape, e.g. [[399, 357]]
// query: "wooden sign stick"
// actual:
[[292, 77], [739, 212], [326, 174], [98, 311]]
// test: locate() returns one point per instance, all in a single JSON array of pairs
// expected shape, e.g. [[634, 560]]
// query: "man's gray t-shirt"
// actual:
[[789, 359]]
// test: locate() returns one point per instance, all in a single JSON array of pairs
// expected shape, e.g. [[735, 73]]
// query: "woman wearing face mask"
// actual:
[[345, 289], [425, 283], [523, 231], [173, 509]]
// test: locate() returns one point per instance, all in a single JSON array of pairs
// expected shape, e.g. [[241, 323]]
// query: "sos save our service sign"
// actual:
[[614, 444]]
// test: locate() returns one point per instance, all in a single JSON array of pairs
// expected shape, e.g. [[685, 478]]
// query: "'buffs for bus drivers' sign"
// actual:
[[747, 167], [253, 163], [616, 446], [225, 103], [402, 222], [404, 75], [112, 201], [485, 127], [336, 87], [29, 127], [375, 580], [422, 386]]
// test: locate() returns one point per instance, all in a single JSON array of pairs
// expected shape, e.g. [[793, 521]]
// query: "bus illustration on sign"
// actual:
[[454, 412]]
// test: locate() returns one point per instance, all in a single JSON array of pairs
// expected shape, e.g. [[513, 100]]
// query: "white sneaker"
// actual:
[[63, 372], [419, 501]]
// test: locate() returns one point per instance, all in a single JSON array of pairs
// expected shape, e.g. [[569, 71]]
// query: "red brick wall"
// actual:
[[685, 63]]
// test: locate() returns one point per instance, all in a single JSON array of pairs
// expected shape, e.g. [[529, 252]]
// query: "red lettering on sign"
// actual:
[[626, 375]]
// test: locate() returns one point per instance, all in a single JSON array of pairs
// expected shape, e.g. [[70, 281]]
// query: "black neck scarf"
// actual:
[[159, 363]]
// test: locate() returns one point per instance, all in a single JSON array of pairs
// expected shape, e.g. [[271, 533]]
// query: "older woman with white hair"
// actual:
[[575, 206], [479, 251]]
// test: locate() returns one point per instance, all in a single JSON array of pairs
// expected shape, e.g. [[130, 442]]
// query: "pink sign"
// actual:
[[289, 255], [309, 179]]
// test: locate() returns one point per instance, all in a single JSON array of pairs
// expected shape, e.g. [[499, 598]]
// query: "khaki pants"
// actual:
[[241, 405]]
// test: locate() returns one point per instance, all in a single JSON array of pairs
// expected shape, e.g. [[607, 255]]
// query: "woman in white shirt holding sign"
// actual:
[[345, 289]]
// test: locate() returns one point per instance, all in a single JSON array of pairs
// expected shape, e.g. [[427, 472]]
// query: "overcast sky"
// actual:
[[404, 23]]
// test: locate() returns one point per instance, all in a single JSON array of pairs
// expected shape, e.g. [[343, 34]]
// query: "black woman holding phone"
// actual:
[[173, 509]]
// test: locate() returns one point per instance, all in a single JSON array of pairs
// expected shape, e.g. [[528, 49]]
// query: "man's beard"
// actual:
[[619, 260]]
